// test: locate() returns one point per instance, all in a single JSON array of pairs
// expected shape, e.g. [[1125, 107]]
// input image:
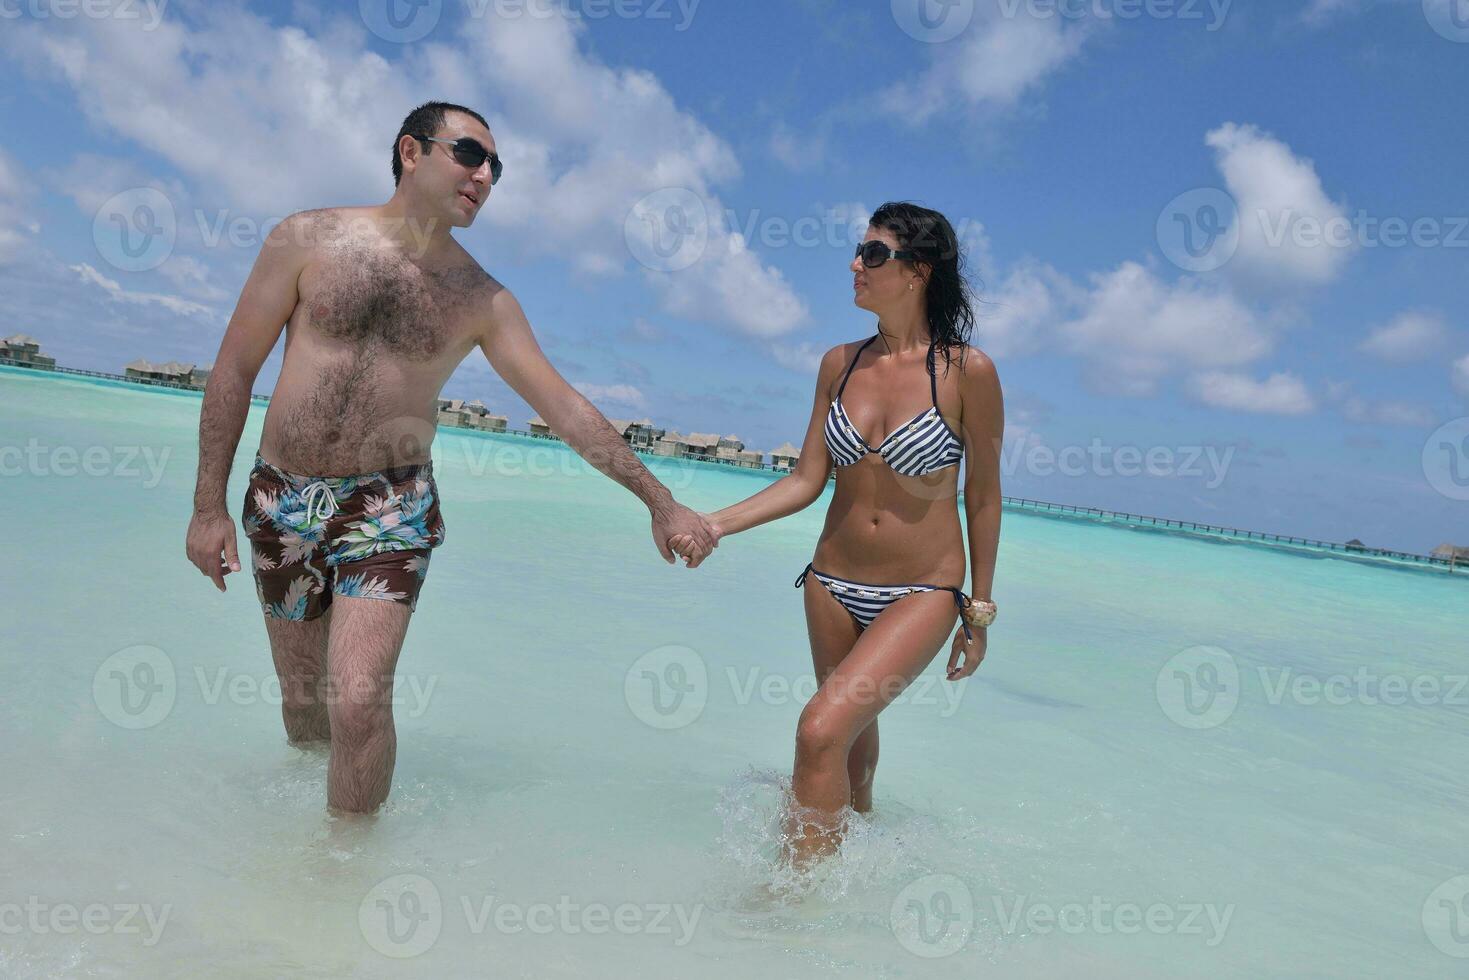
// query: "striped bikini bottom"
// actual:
[[866, 602]]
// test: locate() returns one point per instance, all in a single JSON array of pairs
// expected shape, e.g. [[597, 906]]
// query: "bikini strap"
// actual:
[[801, 579], [853, 365], [961, 600]]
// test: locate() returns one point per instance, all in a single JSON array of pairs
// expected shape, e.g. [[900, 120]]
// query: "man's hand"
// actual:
[[696, 537], [684, 546], [212, 534]]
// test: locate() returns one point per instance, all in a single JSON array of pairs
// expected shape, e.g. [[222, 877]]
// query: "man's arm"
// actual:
[[265, 305], [512, 350]]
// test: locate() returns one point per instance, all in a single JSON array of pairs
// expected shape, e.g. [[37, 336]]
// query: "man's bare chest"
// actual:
[[379, 302]]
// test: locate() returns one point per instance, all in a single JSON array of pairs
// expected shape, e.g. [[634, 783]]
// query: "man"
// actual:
[[380, 305]]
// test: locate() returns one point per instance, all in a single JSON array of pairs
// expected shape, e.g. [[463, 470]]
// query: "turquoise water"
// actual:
[[1181, 757]]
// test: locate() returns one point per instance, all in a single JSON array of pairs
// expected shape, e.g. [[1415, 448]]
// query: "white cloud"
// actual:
[[752, 296], [1280, 394], [90, 179], [582, 141], [174, 304], [1019, 315], [1459, 374], [800, 152], [803, 357], [1320, 11], [193, 277], [616, 394], [1290, 231], [1001, 57], [1387, 412], [1412, 335], [852, 215], [1355, 408], [1135, 329]]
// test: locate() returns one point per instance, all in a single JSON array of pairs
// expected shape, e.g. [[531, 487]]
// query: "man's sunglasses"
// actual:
[[875, 253], [469, 153]]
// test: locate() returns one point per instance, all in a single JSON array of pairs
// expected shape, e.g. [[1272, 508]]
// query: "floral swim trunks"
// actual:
[[367, 537]]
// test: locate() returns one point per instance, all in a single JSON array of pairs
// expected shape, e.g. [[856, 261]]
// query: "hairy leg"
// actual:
[[362, 654], [299, 650]]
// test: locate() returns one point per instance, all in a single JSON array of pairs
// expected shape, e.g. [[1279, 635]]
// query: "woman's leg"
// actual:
[[899, 644], [833, 633]]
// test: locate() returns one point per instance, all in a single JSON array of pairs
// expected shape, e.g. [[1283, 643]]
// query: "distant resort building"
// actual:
[[1452, 552], [540, 429], [672, 443], [23, 351], [470, 415], [785, 457], [640, 435], [731, 449], [172, 372], [702, 445]]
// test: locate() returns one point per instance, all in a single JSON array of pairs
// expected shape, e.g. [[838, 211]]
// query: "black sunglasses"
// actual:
[[875, 253], [469, 153]]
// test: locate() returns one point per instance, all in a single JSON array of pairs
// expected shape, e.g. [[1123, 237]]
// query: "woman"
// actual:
[[894, 518]]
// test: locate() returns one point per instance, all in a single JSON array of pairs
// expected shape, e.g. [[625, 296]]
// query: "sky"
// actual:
[[1218, 247]]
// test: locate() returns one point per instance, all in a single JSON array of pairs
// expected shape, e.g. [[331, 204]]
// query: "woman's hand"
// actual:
[[971, 650], [685, 547]]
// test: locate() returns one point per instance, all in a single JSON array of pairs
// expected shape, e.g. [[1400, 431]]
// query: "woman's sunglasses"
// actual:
[[469, 153], [875, 253]]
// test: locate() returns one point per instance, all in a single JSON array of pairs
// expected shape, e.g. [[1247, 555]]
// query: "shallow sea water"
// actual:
[[593, 747]]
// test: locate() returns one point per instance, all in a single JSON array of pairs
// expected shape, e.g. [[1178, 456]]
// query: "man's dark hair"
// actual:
[[426, 120]]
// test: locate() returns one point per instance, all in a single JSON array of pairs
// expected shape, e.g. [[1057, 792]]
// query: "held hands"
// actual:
[[971, 650], [679, 530], [687, 547]]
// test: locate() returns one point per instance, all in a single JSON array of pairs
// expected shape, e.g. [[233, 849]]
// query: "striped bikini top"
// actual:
[[924, 445]]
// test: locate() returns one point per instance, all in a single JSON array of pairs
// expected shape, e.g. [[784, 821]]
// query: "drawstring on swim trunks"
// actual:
[[318, 496]]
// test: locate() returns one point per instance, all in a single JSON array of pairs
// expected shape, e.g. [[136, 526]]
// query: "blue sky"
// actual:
[[1299, 365]]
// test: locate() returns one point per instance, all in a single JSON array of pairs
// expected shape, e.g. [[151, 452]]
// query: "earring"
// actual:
[[910, 286]]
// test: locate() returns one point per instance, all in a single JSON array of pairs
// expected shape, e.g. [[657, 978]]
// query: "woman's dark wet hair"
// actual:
[[925, 231]]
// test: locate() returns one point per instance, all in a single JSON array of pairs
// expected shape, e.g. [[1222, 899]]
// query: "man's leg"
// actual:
[[299, 650], [362, 653]]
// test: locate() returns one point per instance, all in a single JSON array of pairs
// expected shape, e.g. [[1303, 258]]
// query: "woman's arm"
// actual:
[[983, 424], [806, 482]]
